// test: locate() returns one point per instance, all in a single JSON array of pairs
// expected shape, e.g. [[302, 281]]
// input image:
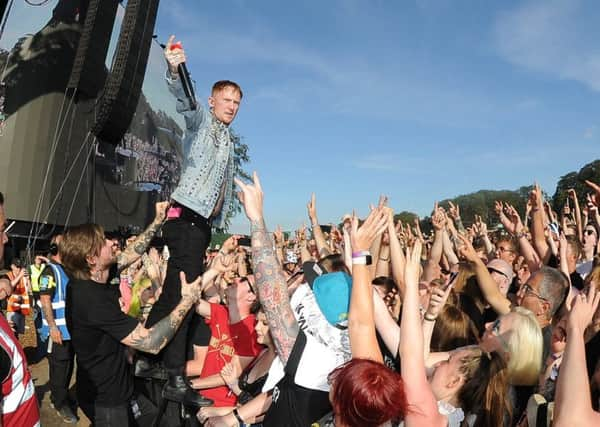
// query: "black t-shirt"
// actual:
[[294, 405], [199, 334], [97, 326], [576, 280]]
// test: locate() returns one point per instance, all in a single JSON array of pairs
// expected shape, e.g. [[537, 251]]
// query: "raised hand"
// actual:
[[190, 290], [251, 196], [453, 210], [596, 189], [583, 309], [231, 244], [312, 209], [536, 198], [278, 235], [160, 209], [515, 219], [438, 220], [412, 268], [223, 263], [174, 54], [362, 237], [437, 300], [498, 208], [466, 249]]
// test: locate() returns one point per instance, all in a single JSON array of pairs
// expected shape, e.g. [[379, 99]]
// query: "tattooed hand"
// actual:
[[251, 196], [161, 211], [190, 290]]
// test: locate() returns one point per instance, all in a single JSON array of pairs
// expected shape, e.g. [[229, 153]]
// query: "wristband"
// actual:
[[362, 260], [239, 419], [429, 317], [360, 253], [520, 235]]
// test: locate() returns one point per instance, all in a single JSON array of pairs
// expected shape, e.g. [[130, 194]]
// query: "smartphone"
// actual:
[[244, 241], [451, 279]]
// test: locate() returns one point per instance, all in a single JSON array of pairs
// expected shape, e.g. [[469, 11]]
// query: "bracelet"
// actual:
[[429, 317], [360, 253], [520, 235], [237, 417]]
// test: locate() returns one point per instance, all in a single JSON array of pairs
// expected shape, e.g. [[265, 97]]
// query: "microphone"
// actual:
[[186, 82]]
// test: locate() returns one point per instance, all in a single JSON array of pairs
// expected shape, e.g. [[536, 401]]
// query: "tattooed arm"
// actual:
[[271, 283], [136, 249], [152, 340], [272, 291]]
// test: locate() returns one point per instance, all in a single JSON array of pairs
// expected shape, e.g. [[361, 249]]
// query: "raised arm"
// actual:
[[418, 392], [270, 281], [438, 220], [138, 247], [322, 246], [152, 340], [576, 213], [396, 255], [512, 222], [572, 400], [538, 224], [361, 321], [488, 286], [175, 55]]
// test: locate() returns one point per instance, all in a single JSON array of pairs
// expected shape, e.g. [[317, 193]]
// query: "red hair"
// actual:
[[367, 394]]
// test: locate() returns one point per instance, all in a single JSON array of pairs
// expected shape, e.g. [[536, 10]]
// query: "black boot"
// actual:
[[145, 368], [177, 389]]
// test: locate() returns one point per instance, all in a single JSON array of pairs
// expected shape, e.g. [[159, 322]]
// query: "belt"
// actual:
[[191, 216]]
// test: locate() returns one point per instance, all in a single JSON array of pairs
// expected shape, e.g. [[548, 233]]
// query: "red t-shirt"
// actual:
[[225, 341]]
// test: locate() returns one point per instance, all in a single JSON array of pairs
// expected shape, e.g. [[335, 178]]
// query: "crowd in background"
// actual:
[[505, 321]]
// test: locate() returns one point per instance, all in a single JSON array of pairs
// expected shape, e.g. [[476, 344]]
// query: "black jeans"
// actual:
[[60, 365], [140, 411], [187, 239]]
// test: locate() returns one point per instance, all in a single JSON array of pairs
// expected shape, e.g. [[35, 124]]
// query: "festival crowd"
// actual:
[[367, 323]]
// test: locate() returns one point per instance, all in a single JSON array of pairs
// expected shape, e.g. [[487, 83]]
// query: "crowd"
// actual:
[[369, 323]]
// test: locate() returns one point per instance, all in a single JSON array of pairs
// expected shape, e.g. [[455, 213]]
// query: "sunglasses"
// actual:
[[496, 332]]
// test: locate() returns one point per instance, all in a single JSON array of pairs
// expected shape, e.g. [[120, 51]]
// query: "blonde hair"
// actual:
[[135, 306], [525, 344]]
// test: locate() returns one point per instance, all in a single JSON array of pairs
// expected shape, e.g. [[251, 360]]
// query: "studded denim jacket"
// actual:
[[208, 160]]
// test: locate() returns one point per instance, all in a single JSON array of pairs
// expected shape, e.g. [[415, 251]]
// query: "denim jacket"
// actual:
[[208, 160]]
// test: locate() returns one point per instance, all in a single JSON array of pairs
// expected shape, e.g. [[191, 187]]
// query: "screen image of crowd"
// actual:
[[373, 321]]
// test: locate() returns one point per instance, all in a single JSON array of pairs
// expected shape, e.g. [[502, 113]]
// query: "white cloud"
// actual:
[[551, 37]]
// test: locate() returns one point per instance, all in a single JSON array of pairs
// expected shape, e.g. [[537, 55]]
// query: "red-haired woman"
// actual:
[[364, 392]]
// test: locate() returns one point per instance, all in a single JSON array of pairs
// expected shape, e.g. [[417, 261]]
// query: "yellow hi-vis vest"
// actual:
[[34, 274]]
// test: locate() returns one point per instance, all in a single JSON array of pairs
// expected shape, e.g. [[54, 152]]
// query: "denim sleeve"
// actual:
[[193, 118]]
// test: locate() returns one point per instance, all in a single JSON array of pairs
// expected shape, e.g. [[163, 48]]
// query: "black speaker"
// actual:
[[89, 72], [123, 85]]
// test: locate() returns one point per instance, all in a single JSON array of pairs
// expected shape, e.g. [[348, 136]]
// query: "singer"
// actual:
[[201, 200]]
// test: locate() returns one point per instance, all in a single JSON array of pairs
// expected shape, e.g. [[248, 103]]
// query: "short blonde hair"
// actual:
[[525, 344]]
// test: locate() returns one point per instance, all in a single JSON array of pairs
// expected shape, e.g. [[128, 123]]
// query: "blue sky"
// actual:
[[419, 100]]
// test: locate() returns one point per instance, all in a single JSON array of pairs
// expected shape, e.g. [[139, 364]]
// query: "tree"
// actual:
[[240, 157]]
